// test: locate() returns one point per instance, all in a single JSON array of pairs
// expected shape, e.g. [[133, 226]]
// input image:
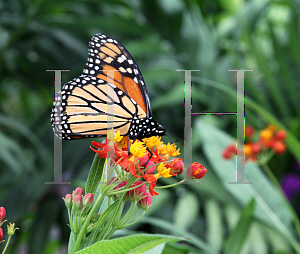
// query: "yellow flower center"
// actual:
[[153, 141], [137, 149], [266, 134], [118, 137], [248, 150], [163, 171]]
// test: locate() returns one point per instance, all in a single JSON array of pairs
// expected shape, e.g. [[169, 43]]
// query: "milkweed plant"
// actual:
[[122, 172]]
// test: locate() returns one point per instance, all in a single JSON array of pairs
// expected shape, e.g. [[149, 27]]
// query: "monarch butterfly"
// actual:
[[80, 108]]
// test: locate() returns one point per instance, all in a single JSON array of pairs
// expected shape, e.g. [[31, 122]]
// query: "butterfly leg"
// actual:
[[136, 137], [150, 155]]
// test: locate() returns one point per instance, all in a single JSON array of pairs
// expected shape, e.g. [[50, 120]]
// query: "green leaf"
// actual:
[[214, 225], [195, 240], [237, 238], [95, 174], [133, 244], [273, 211], [156, 250], [175, 248], [186, 210]]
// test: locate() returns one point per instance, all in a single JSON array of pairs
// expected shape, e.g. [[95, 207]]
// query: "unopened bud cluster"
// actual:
[[78, 200]]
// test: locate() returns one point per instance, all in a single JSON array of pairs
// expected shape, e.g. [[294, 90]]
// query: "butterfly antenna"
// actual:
[[170, 137]]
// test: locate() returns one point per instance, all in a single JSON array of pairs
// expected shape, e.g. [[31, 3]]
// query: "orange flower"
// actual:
[[197, 170], [151, 179]]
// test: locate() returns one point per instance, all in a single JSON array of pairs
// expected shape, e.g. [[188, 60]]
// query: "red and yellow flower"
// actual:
[[144, 158]]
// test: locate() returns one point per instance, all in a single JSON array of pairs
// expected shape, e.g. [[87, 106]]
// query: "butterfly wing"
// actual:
[[82, 109], [105, 53]]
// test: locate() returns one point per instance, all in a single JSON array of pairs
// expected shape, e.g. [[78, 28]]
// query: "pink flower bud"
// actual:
[[77, 202], [143, 160], [88, 200], [231, 148], [68, 200], [281, 135], [1, 234], [249, 131], [198, 171], [177, 167], [150, 169], [2, 214], [120, 185], [226, 154], [145, 202], [138, 192], [77, 191]]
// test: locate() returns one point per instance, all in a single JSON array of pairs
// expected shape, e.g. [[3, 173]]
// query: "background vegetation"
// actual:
[[162, 36]]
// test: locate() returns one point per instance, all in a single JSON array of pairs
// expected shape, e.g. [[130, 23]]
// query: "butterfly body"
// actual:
[[98, 100]]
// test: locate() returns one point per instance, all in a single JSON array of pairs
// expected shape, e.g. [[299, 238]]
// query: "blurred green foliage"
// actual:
[[162, 36]]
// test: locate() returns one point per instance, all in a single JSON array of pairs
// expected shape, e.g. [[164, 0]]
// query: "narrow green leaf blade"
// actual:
[[238, 236], [133, 244], [95, 175]]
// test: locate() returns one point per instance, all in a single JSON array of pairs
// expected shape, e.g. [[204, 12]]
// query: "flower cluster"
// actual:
[[146, 156], [137, 165], [10, 228], [269, 140]]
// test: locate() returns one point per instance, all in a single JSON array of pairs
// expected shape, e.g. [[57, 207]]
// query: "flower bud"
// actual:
[[11, 229], [2, 214], [279, 147], [249, 131], [138, 192], [281, 135], [256, 148], [120, 185], [150, 168], [77, 191], [177, 167], [145, 202], [226, 154], [77, 202], [68, 200], [232, 148], [1, 234], [88, 200], [143, 160], [198, 171]]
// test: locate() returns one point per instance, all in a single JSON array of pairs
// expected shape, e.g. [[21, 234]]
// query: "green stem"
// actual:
[[127, 215], [6, 244], [127, 225], [111, 193], [86, 223], [171, 185], [112, 231], [274, 180], [70, 219]]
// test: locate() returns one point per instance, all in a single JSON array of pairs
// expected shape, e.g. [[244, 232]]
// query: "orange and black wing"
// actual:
[[81, 109], [105, 53]]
